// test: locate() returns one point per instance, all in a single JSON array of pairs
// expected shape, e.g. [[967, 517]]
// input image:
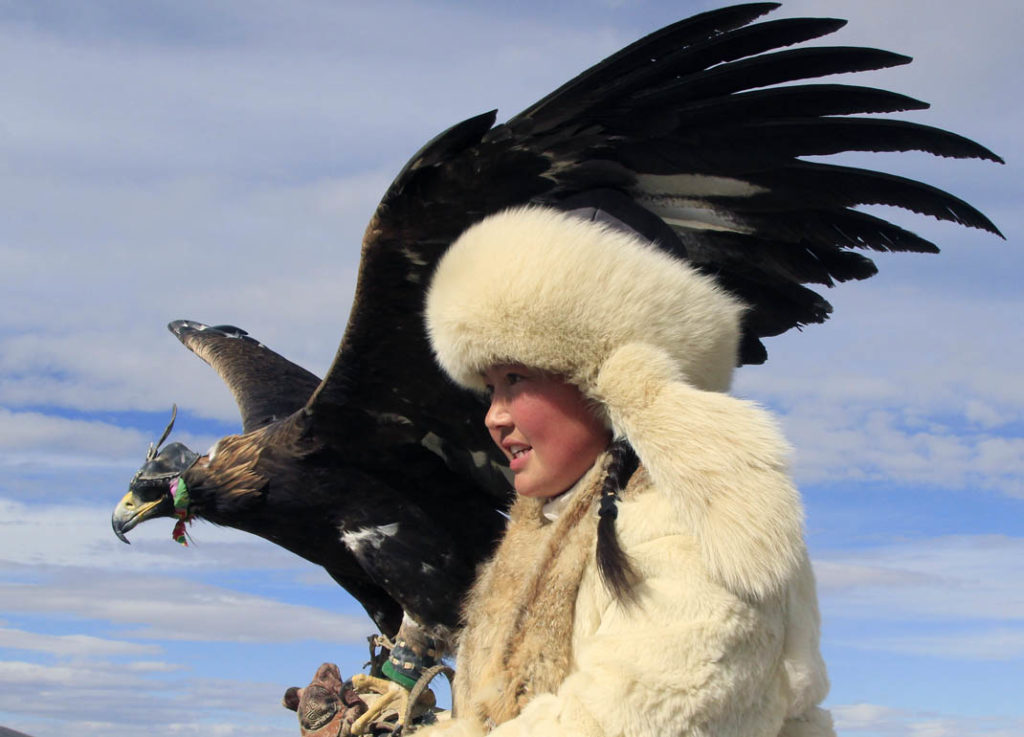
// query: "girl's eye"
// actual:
[[513, 378]]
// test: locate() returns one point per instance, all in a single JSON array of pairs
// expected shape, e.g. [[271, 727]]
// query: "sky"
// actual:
[[217, 160]]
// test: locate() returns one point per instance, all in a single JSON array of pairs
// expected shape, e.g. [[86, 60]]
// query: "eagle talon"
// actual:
[[390, 693]]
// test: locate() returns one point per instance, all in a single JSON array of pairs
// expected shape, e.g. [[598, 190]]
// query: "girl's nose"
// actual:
[[497, 414]]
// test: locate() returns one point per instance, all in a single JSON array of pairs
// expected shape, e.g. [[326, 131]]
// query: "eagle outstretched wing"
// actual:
[[682, 137], [266, 386]]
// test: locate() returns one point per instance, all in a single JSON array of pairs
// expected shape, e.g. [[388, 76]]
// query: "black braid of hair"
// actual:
[[614, 565]]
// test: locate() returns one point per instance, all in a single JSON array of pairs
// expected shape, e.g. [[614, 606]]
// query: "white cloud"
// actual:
[[60, 572], [15, 672], [885, 721], [996, 644], [104, 698], [25, 433], [972, 578], [80, 537], [76, 646], [855, 717], [55, 558], [962, 57], [153, 666], [904, 387], [157, 607], [106, 347]]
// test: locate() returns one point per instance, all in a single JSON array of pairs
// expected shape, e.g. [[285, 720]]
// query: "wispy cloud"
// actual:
[[167, 608], [884, 721], [26, 433], [998, 643], [72, 645], [921, 395], [93, 696], [79, 537], [969, 590]]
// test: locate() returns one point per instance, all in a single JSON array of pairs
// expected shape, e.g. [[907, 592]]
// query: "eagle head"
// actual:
[[150, 493]]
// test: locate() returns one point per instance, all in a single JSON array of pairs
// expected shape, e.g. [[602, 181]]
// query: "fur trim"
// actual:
[[520, 613], [540, 287], [815, 723], [721, 462], [806, 675]]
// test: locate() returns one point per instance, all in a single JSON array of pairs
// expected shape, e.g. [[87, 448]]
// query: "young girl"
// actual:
[[653, 579]]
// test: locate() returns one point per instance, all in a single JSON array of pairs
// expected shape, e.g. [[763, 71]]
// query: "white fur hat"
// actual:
[[549, 289]]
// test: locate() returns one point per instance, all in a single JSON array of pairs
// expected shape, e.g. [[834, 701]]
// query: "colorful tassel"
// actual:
[[179, 495]]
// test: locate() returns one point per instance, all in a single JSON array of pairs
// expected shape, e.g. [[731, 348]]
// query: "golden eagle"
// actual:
[[697, 137]]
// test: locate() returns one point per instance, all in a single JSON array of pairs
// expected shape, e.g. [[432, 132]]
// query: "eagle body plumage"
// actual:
[[353, 490], [697, 137], [287, 485]]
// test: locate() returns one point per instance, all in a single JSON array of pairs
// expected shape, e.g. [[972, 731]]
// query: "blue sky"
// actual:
[[218, 161]]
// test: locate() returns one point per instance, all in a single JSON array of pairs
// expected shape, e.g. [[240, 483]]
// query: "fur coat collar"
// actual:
[[508, 654]]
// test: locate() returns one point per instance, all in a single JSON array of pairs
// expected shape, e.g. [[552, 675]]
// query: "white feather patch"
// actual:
[[358, 540]]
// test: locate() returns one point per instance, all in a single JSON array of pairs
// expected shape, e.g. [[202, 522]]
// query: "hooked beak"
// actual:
[[132, 510], [149, 493]]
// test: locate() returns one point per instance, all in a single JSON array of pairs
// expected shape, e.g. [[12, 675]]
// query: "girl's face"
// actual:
[[545, 428]]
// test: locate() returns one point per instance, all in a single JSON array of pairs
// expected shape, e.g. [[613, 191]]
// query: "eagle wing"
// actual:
[[694, 136], [267, 387]]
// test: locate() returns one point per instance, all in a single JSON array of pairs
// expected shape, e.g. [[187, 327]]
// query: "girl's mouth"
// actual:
[[519, 456]]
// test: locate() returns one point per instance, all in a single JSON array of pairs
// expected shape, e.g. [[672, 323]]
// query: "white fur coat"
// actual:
[[723, 641]]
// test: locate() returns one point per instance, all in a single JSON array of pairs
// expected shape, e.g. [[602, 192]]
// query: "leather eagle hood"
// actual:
[[651, 341]]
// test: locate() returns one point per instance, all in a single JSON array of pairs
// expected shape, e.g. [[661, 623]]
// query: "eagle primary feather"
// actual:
[[382, 472]]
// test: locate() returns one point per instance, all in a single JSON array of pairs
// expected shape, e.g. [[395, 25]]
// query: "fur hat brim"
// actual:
[[547, 289]]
